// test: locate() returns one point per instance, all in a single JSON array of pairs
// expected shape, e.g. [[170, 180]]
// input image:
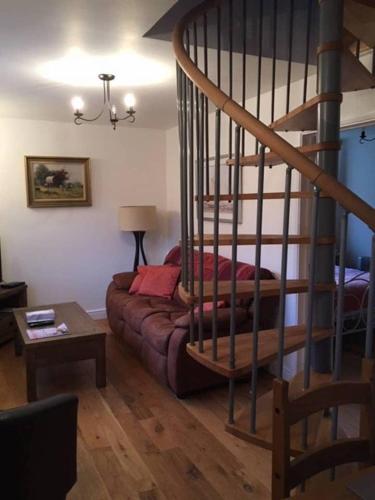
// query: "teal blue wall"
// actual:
[[357, 172]]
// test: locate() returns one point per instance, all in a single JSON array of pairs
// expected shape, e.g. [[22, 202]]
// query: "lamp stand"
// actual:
[[139, 235]]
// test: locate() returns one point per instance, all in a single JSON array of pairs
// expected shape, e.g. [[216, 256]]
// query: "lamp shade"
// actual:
[[137, 218]]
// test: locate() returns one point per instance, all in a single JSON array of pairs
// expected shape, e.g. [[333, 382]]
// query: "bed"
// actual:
[[355, 299]]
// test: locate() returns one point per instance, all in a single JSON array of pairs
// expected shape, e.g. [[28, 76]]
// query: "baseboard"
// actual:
[[98, 313]]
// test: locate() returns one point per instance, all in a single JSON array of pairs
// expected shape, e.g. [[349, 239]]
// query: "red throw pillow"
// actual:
[[160, 281], [142, 270]]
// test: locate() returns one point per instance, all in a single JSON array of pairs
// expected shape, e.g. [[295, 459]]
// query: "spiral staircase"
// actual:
[[216, 65]]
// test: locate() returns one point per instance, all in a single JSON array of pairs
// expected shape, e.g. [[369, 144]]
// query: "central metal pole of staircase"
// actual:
[[329, 81]]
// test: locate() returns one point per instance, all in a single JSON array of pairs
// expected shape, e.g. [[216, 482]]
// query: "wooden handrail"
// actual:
[[341, 194]]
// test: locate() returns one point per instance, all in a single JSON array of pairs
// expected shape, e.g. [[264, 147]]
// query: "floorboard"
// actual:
[[136, 440]]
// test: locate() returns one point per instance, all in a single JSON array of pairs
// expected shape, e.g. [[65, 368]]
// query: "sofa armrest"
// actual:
[[124, 280]]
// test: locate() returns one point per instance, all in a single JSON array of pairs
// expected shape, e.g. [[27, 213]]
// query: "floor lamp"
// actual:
[[138, 220]]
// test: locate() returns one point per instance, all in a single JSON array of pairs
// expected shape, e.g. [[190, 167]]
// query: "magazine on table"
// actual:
[[43, 333]]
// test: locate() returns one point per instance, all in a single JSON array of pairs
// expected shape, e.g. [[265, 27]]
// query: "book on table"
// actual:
[[38, 318]]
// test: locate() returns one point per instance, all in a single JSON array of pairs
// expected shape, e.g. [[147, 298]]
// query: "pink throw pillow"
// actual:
[[208, 306], [142, 270], [159, 281]]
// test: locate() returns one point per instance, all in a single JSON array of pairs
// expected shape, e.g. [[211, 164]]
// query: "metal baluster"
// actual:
[[200, 220], [274, 46], [308, 32], [339, 318], [310, 304], [216, 194], [260, 49], [291, 22], [218, 41], [216, 233], [369, 353], [191, 197], [340, 298], [256, 308], [233, 301], [184, 220], [244, 47], [206, 119], [196, 61], [197, 126], [179, 111], [230, 36], [182, 146], [284, 269]]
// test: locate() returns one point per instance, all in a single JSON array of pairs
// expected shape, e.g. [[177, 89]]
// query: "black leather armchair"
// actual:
[[38, 449]]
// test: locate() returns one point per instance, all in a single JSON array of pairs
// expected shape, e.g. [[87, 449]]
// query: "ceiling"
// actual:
[[35, 32], [87, 34]]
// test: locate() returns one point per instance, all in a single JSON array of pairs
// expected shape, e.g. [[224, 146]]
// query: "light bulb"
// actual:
[[77, 103], [113, 109], [129, 101]]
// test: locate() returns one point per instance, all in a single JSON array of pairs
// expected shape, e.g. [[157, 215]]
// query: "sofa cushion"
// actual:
[[117, 300], [159, 281], [157, 329], [243, 271], [141, 307]]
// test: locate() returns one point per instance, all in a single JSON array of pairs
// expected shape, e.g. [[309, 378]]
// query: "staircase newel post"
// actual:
[[329, 81]]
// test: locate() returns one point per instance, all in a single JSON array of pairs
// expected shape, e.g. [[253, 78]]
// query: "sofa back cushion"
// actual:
[[243, 271]]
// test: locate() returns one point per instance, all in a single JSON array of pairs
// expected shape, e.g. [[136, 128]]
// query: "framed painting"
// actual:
[[226, 184], [57, 181]]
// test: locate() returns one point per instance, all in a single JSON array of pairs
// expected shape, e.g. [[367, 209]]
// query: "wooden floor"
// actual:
[[136, 440]]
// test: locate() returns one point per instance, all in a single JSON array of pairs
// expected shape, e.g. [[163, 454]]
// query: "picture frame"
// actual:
[[54, 181], [225, 207]]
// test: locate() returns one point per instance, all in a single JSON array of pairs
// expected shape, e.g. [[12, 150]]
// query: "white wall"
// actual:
[[71, 253]]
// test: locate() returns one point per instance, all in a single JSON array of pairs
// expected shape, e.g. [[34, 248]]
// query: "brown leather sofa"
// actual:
[[158, 328]]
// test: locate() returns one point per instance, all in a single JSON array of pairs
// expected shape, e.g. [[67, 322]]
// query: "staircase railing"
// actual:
[[342, 195], [196, 93]]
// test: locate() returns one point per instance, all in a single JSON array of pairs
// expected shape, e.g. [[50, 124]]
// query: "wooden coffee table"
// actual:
[[85, 340]]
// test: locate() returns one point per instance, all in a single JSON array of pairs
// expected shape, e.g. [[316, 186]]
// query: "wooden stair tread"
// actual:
[[354, 75], [267, 349], [272, 159], [266, 196], [359, 19], [246, 289], [263, 436], [305, 116], [267, 239]]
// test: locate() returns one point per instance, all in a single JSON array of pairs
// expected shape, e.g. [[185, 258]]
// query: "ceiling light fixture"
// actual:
[[79, 69], [129, 101]]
